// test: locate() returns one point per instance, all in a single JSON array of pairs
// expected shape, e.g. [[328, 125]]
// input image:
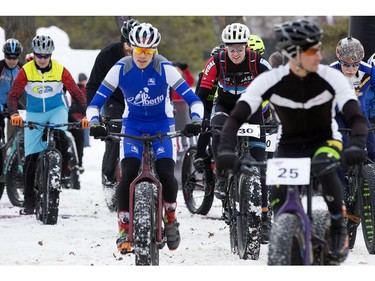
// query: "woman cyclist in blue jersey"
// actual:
[[145, 79]]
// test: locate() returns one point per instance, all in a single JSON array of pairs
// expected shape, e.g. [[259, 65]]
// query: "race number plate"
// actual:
[[249, 130], [288, 171], [271, 141]]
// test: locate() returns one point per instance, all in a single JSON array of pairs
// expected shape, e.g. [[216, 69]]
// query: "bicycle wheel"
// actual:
[[197, 187], [15, 181], [321, 229], [249, 218], [367, 206], [48, 177], [287, 241], [145, 224], [232, 216]]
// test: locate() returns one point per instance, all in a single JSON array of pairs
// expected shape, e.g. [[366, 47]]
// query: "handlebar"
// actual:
[[143, 138], [33, 125]]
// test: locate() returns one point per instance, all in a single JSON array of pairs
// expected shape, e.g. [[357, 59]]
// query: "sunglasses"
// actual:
[[313, 51], [147, 51], [349, 64], [238, 50], [11, 57], [39, 56]]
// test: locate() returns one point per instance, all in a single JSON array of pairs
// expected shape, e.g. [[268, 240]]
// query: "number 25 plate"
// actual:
[[288, 171]]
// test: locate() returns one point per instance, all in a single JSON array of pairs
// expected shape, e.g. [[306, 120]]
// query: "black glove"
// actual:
[[192, 129], [206, 125], [226, 158], [97, 131], [353, 155]]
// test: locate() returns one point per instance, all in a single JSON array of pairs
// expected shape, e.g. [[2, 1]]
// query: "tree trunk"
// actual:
[[23, 29]]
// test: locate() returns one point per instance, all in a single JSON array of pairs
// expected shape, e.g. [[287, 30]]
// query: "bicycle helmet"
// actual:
[[235, 33], [256, 43], [349, 50], [301, 33], [127, 26], [42, 44], [12, 48], [145, 36]]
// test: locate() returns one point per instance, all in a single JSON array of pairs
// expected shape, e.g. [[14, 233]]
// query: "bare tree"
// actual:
[[23, 29]]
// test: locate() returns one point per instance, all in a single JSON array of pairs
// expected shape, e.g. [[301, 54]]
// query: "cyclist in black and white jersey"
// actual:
[[303, 95]]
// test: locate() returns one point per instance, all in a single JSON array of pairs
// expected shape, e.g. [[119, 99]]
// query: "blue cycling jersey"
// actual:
[[361, 82], [146, 91]]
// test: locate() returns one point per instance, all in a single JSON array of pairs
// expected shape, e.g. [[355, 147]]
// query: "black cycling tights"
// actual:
[[129, 171], [31, 164]]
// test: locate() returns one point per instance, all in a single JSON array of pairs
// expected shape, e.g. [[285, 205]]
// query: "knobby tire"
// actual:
[[197, 187], [249, 218], [287, 242], [145, 224], [14, 182], [367, 206], [48, 179]]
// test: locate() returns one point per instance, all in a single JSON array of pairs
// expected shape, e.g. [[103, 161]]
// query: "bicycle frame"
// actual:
[[147, 174]]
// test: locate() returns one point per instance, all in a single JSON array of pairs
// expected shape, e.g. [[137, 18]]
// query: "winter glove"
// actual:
[[97, 130], [226, 157], [16, 120], [192, 129], [206, 125], [353, 155], [85, 123]]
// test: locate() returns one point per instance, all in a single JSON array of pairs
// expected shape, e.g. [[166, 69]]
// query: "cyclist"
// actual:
[[43, 79], [303, 94], [349, 53], [9, 68], [114, 107], [234, 67], [145, 79], [204, 139]]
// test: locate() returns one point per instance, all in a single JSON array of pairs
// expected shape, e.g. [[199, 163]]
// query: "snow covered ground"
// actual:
[[86, 230]]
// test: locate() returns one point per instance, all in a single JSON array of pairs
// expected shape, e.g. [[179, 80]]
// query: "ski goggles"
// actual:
[[146, 51], [40, 56]]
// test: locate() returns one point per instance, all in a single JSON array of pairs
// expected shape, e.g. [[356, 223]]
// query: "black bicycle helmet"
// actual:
[[127, 26], [302, 33], [12, 47]]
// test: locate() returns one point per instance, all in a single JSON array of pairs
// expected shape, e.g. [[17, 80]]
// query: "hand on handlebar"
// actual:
[[85, 123], [192, 129], [353, 155], [16, 120], [97, 130]]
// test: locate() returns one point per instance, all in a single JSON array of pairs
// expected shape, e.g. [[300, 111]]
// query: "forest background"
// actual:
[[187, 39]]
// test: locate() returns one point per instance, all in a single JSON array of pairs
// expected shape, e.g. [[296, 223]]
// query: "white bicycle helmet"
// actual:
[[235, 33], [42, 44], [145, 36]]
